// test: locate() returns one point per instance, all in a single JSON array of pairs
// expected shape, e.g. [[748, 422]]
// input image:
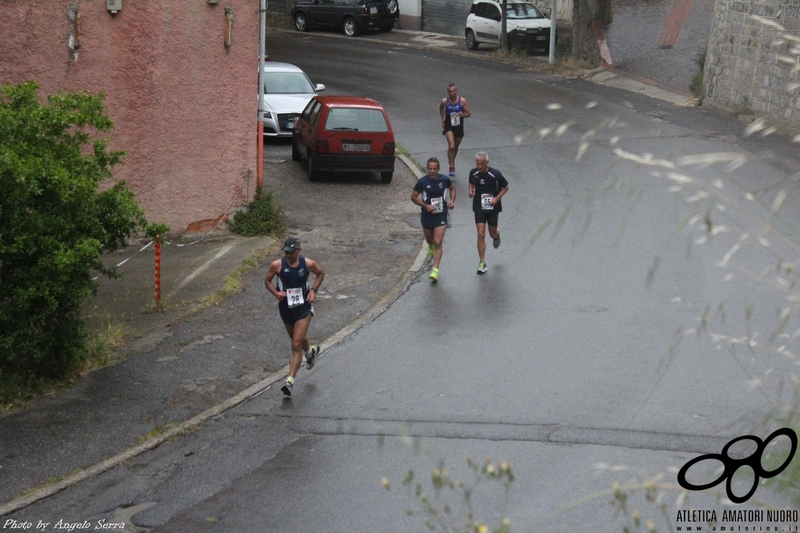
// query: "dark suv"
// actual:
[[352, 16]]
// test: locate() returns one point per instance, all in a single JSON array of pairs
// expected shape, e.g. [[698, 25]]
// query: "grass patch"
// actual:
[[156, 431], [102, 345], [16, 391], [563, 65], [155, 307], [235, 280], [263, 217]]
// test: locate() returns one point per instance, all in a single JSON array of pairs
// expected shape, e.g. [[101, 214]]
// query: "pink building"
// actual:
[[180, 79]]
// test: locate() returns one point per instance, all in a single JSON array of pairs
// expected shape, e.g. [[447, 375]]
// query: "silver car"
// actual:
[[287, 90]]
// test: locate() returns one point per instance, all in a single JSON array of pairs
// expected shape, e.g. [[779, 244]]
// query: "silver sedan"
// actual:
[[287, 90]]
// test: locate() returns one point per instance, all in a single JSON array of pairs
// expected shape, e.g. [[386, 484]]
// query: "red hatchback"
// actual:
[[344, 134]]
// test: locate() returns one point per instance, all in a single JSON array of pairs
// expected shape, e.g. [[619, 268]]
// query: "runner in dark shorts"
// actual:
[[486, 187], [429, 194], [453, 111], [295, 300]]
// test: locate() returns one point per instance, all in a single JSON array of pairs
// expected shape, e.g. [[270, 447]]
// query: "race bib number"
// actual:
[[455, 120], [486, 202], [294, 297], [438, 205]]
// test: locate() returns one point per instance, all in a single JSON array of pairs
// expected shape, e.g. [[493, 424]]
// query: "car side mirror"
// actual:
[[319, 87]]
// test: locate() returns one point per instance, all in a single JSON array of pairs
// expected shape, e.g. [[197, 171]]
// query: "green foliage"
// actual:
[[262, 217], [157, 231], [54, 227], [697, 81]]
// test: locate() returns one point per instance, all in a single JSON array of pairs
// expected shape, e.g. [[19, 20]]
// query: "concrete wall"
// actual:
[[752, 65], [410, 14], [183, 104]]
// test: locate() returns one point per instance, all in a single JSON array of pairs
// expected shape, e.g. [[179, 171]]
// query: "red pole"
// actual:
[[158, 269]]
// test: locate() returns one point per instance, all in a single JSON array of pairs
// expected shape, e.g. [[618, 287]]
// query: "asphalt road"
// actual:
[[557, 360]]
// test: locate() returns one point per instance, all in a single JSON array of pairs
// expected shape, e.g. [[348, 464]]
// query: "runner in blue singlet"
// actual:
[[453, 111], [295, 301]]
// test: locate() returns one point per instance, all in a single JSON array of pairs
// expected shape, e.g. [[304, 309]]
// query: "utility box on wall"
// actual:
[[114, 5]]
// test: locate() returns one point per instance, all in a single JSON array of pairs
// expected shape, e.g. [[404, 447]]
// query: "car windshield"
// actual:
[[522, 11], [286, 83], [356, 119]]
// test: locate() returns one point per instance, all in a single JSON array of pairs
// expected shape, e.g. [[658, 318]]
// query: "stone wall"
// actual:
[[752, 63], [182, 97]]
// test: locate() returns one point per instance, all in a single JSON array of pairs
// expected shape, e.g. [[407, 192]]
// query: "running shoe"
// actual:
[[434, 274], [481, 268], [311, 356], [452, 171], [496, 242], [287, 387], [430, 249]]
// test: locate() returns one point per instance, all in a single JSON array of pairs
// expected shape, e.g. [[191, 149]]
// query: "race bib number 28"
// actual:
[[438, 204], [294, 297]]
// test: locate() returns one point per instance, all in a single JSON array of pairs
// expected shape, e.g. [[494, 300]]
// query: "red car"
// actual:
[[344, 134]]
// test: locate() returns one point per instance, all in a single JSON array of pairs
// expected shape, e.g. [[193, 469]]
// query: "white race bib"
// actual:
[[455, 120], [486, 202], [438, 205], [294, 297]]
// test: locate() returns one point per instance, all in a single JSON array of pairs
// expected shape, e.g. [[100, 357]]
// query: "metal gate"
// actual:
[[445, 16]]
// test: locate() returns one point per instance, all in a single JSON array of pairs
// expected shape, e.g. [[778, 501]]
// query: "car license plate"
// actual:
[[350, 147], [373, 10], [290, 125]]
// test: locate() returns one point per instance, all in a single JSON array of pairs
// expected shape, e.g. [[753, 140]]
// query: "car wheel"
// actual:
[[295, 152], [300, 22], [349, 27], [313, 173], [386, 177], [390, 6], [472, 44]]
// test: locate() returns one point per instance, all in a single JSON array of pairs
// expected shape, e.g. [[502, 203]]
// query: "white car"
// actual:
[[527, 27], [287, 91]]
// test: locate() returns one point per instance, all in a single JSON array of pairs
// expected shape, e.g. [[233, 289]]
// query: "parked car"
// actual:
[[344, 134], [527, 27], [352, 16], [287, 90]]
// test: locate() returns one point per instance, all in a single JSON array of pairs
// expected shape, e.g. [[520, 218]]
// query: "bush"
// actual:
[[54, 227], [697, 81], [262, 217]]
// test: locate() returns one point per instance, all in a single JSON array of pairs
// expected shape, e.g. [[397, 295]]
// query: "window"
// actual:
[[356, 119], [522, 11], [314, 114], [488, 10], [287, 83]]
